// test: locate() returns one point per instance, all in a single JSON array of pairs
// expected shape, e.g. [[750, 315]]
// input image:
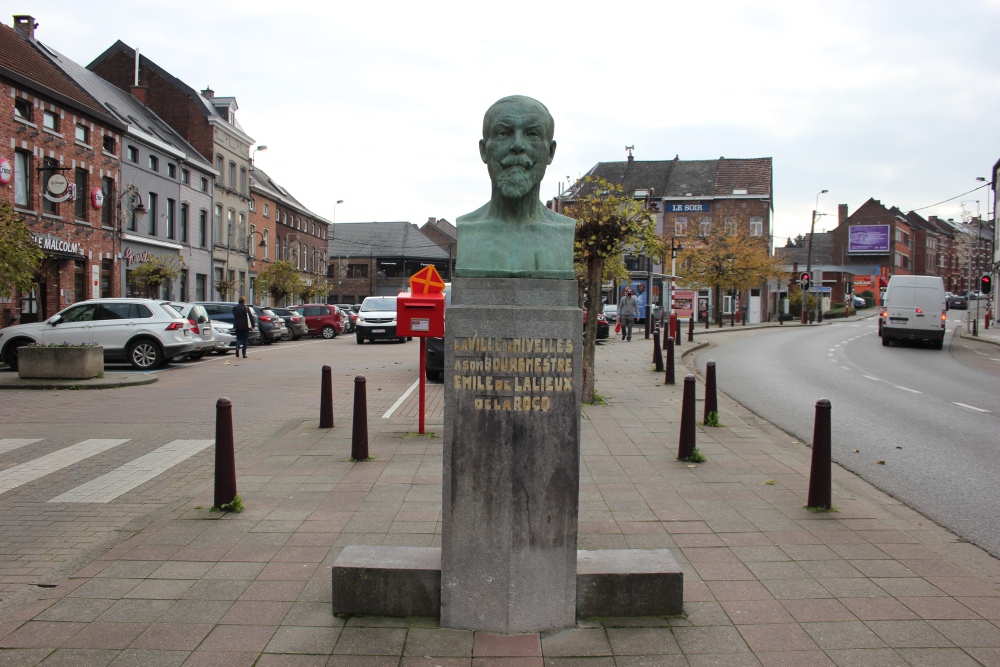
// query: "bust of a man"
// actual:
[[515, 235]]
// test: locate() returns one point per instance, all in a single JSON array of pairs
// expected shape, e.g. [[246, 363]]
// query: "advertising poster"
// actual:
[[639, 288], [683, 302], [868, 239]]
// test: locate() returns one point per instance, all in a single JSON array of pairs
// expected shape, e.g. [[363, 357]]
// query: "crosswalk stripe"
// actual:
[[44, 465], [107, 487], [10, 444]]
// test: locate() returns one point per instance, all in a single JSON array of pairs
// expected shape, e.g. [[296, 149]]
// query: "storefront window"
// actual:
[[79, 281], [22, 178], [106, 268]]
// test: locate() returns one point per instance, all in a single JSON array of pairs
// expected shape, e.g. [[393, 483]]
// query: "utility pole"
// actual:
[[809, 255]]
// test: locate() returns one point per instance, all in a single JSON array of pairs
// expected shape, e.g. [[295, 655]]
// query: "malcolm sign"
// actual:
[[56, 244]]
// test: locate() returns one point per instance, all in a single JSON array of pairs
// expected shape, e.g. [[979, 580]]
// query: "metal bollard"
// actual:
[[675, 330], [691, 329], [732, 319], [666, 335], [670, 362], [326, 399], [686, 443], [225, 453], [648, 320], [707, 318], [359, 432], [744, 313], [657, 354], [820, 483], [711, 395]]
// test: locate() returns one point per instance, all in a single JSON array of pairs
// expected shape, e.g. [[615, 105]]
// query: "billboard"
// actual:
[[872, 239]]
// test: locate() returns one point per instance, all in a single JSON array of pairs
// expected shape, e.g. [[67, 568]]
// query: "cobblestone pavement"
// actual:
[[167, 582]]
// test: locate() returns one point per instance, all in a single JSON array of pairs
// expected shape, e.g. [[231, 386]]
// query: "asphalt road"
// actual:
[[933, 420]]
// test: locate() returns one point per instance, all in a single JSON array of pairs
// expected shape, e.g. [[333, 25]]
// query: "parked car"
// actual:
[[957, 302], [352, 316], [859, 301], [603, 330], [611, 312], [294, 322], [322, 319], [143, 332], [225, 339], [201, 327], [377, 319], [269, 326]]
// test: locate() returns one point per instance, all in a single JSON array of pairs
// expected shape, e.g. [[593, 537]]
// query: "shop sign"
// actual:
[[97, 197], [57, 244], [135, 257], [6, 171], [58, 189], [691, 207]]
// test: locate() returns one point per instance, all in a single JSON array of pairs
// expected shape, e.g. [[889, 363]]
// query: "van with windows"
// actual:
[[914, 309]]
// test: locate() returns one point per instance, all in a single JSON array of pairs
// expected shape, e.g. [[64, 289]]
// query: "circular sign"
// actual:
[[97, 197], [6, 173], [57, 184]]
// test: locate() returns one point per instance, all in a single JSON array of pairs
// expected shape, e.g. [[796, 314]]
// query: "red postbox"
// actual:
[[420, 315]]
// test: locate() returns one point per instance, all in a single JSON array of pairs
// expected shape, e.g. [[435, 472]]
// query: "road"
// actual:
[[924, 425]]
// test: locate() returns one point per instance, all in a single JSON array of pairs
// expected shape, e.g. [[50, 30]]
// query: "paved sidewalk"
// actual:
[[766, 581]]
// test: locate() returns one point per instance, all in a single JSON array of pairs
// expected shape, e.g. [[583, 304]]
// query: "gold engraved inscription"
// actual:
[[513, 374]]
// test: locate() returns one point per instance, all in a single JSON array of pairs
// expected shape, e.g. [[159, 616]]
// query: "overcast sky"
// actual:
[[381, 103]]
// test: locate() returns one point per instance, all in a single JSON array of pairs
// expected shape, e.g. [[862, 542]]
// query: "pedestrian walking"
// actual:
[[627, 307], [243, 322]]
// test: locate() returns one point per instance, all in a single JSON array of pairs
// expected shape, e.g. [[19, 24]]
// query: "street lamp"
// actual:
[[138, 213], [809, 256], [250, 258], [259, 148], [674, 248]]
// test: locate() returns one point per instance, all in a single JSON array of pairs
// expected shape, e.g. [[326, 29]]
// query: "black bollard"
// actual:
[[225, 454], [686, 444], [326, 399], [670, 362], [706, 321], [675, 329], [657, 354], [744, 313], [691, 329], [819, 475], [648, 320], [359, 432], [711, 396], [732, 319], [666, 335]]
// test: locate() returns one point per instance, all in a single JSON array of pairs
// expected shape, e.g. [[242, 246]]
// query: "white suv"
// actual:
[[143, 332], [377, 319]]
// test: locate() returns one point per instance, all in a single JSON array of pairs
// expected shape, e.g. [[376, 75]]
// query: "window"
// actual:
[[357, 270], [204, 184], [184, 223], [251, 240], [680, 226], [757, 225], [171, 206], [50, 121], [22, 178], [203, 228], [109, 143], [266, 210], [232, 175], [730, 225], [107, 208], [253, 204], [154, 163], [267, 243], [82, 134], [151, 213], [230, 226], [705, 228], [132, 203], [22, 109], [241, 230], [217, 225], [106, 268], [219, 164], [200, 279], [284, 218], [171, 170], [133, 154], [81, 194], [185, 176], [243, 181]]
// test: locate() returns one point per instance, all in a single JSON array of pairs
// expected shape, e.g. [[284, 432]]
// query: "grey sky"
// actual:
[[381, 104]]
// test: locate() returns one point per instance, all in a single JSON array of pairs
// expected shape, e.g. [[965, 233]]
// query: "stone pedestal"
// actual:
[[65, 363], [511, 455]]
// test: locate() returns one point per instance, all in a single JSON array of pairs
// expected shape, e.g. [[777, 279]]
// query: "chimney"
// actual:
[[141, 93], [208, 92], [841, 214], [25, 25], [432, 221]]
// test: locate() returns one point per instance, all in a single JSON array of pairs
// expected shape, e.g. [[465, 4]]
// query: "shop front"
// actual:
[[137, 251]]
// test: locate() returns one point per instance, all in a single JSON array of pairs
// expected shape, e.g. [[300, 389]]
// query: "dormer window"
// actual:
[[232, 116]]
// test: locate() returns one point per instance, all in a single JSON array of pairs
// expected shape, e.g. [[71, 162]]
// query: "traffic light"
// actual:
[[849, 288], [804, 280], [985, 284]]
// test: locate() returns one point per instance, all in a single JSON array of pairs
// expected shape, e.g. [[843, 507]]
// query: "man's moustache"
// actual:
[[526, 163]]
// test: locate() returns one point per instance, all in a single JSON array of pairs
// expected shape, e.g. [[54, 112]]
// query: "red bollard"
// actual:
[[657, 354], [711, 395], [359, 433], [820, 481], [326, 399], [225, 454], [686, 443], [670, 362], [673, 326]]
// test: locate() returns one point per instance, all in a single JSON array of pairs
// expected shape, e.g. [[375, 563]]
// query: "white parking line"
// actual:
[[10, 444], [42, 466], [107, 487], [970, 407], [871, 377], [912, 391], [400, 400]]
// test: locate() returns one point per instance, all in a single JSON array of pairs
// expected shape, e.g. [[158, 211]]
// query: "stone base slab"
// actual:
[[406, 581]]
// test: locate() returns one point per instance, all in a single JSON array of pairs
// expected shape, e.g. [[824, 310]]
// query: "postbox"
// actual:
[[420, 315]]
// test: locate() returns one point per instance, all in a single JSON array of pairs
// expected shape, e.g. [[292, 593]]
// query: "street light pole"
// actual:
[[809, 255]]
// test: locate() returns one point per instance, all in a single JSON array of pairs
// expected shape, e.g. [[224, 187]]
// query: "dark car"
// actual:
[[351, 315], [957, 302], [268, 324], [294, 321], [322, 319], [603, 330]]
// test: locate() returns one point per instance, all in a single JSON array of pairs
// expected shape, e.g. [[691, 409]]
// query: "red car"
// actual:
[[603, 330], [322, 319]]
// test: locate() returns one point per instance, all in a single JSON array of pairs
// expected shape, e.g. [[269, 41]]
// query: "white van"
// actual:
[[914, 309]]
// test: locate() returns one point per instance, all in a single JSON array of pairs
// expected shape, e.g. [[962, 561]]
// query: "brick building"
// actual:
[[62, 152], [445, 235]]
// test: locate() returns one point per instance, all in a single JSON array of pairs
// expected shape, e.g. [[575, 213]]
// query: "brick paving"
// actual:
[[766, 581]]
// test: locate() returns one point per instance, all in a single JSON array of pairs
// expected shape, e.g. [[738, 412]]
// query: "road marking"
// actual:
[[971, 407], [107, 487], [912, 391], [10, 444], [871, 378], [400, 400], [42, 466], [845, 368]]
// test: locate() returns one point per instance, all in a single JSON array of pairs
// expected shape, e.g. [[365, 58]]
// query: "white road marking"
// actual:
[[870, 377], [971, 407], [107, 487], [845, 368], [912, 391], [44, 465], [10, 444], [400, 400]]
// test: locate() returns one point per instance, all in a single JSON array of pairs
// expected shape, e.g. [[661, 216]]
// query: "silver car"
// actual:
[[201, 328], [225, 339]]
